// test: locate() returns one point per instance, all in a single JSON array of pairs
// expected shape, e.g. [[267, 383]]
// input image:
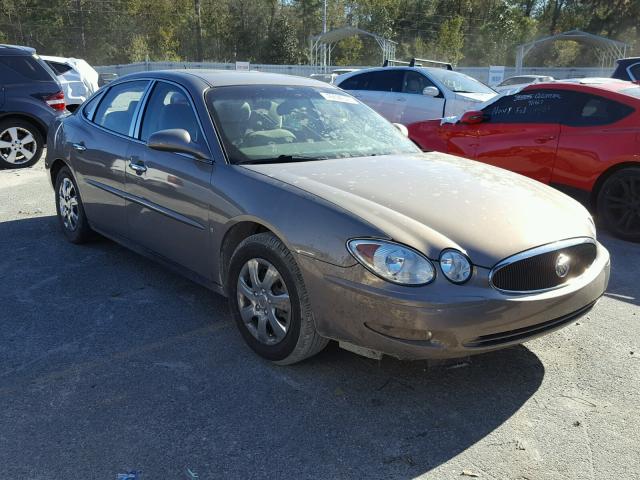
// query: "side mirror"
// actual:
[[176, 140], [403, 130], [472, 117], [431, 91]]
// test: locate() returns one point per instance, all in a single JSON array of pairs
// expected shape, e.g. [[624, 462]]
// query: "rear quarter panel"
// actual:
[[585, 153]]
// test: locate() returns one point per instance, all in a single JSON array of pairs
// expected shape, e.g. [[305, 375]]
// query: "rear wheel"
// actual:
[[21, 143], [269, 301], [70, 209], [619, 204]]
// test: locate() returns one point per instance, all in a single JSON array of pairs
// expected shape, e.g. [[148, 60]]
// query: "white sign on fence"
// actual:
[[244, 66], [496, 75]]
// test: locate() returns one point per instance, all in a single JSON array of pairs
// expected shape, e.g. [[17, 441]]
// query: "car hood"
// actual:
[[433, 201]]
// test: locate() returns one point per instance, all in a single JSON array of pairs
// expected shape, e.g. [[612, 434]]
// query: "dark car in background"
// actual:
[[30, 99], [628, 69]]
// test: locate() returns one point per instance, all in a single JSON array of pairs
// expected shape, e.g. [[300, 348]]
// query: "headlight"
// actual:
[[393, 262], [455, 266]]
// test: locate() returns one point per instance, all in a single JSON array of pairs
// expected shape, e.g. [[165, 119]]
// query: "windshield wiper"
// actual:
[[279, 159]]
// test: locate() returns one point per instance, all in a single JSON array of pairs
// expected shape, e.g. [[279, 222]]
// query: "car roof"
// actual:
[[529, 76], [221, 78], [390, 67], [586, 84], [65, 60], [16, 50], [624, 61]]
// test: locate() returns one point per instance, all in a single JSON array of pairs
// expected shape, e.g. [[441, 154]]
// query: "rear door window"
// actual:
[[635, 71], [379, 81], [386, 81], [357, 82], [587, 110], [533, 106], [118, 106], [26, 67], [59, 68], [90, 107]]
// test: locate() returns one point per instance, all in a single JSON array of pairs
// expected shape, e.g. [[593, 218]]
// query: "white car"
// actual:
[[407, 95], [77, 78], [520, 81], [331, 77]]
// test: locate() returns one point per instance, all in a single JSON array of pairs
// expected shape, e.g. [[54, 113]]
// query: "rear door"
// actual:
[[169, 193], [379, 90], [521, 132], [99, 143], [414, 106], [594, 133]]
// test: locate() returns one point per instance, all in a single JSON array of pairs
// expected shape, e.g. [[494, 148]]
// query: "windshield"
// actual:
[[293, 123], [459, 82]]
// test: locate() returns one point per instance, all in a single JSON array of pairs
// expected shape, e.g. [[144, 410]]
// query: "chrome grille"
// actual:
[[535, 269]]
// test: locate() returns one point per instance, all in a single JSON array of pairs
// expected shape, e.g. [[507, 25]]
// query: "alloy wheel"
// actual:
[[263, 301], [68, 204], [17, 145], [621, 203]]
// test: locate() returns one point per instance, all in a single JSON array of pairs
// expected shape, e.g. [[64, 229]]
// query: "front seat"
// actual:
[[234, 117], [180, 115]]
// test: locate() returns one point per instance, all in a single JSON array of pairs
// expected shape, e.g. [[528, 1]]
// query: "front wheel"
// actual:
[[618, 204], [269, 301]]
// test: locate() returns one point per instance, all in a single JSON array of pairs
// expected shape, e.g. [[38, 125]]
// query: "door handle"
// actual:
[[546, 139], [137, 166], [79, 147]]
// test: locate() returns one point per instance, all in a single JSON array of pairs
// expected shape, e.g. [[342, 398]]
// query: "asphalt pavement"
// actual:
[[112, 367]]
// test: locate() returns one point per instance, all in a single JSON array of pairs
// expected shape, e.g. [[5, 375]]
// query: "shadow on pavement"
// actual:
[[625, 258], [108, 364]]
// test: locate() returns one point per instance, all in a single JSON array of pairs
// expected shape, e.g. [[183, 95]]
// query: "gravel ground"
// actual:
[[110, 364]]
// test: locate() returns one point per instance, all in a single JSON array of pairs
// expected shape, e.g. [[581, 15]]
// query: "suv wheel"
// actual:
[[619, 204], [269, 301], [20, 144]]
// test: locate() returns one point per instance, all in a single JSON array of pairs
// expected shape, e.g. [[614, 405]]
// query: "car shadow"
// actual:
[[111, 364], [623, 284]]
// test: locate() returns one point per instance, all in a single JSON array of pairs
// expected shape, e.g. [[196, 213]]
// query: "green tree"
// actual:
[[281, 43]]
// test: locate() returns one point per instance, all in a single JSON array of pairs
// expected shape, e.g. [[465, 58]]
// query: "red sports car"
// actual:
[[580, 136]]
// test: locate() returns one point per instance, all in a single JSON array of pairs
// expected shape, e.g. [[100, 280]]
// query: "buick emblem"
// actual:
[[563, 265]]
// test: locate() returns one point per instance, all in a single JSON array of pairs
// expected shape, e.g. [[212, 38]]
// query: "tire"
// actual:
[[70, 210], [21, 143], [618, 204], [287, 337]]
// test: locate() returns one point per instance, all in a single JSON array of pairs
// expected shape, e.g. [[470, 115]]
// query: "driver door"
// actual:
[[169, 193], [414, 106], [521, 133]]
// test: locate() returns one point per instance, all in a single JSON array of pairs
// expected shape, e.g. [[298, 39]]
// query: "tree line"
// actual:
[[465, 32]]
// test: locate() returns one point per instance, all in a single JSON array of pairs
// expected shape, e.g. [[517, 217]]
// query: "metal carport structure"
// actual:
[[322, 45], [608, 50]]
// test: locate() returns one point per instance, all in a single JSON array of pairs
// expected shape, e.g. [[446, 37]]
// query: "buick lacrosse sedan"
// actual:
[[319, 220]]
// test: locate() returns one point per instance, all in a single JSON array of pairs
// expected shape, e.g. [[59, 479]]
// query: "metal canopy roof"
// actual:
[[322, 45], [608, 50]]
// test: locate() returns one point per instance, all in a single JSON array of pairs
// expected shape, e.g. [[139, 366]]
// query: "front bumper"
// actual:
[[441, 320]]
